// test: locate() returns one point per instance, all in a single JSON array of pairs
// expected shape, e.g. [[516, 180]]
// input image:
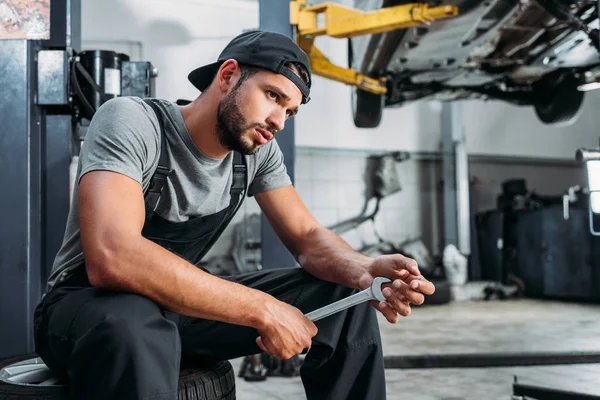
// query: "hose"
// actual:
[[77, 66]]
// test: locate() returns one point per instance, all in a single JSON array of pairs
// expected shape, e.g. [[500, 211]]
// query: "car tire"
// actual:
[[442, 294], [367, 108], [213, 382], [562, 105]]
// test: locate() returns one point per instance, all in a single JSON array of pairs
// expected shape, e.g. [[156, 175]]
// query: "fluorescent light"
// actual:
[[593, 171], [595, 202], [586, 87]]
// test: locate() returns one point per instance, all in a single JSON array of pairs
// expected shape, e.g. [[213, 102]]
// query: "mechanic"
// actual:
[[156, 185]]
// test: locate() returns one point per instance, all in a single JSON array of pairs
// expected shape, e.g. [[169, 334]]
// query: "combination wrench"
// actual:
[[372, 293]]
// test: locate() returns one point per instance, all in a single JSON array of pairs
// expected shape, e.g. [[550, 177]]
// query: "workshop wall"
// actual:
[[544, 179], [497, 128], [175, 36], [332, 185]]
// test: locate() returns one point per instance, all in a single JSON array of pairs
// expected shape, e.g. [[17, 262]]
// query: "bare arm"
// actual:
[[118, 257], [325, 255], [319, 251]]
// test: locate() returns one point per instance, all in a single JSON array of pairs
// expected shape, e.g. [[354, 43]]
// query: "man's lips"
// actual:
[[264, 136]]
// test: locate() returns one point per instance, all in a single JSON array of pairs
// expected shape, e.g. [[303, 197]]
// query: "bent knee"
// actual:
[[123, 318]]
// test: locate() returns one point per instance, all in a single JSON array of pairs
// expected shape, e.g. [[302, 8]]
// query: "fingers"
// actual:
[[420, 284], [283, 351], [398, 302], [408, 286], [266, 346], [388, 312], [260, 344], [396, 266], [275, 351], [313, 330], [404, 290], [405, 263]]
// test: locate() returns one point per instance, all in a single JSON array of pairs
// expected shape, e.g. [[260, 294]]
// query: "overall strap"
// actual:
[[238, 184], [238, 188], [159, 179]]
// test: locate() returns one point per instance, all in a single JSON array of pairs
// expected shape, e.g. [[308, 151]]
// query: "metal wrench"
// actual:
[[372, 293]]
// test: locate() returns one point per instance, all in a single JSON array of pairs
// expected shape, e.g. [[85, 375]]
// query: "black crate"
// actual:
[[490, 235], [557, 258]]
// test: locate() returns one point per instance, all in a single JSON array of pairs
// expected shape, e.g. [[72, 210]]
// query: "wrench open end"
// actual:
[[376, 287], [372, 293]]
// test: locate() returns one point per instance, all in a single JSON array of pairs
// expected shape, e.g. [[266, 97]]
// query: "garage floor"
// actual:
[[469, 327]]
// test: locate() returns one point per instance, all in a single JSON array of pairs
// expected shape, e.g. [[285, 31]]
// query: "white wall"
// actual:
[[502, 129], [176, 36]]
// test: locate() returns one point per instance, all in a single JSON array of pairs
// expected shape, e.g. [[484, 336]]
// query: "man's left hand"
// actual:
[[408, 286]]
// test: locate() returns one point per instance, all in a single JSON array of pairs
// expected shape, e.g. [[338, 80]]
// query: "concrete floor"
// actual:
[[471, 327]]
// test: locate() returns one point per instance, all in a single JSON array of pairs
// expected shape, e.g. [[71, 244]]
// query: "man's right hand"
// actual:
[[285, 331]]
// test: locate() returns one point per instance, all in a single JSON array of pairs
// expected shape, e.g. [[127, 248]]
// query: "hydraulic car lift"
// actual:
[[345, 22]]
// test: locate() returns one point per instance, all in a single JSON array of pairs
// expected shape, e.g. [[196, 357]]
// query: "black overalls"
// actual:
[[117, 345]]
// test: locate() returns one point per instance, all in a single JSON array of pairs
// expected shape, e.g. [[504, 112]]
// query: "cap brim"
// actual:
[[202, 77]]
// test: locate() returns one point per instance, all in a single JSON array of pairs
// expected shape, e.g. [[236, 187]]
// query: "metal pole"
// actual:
[[35, 152], [449, 174], [20, 203], [457, 220], [462, 182], [275, 17]]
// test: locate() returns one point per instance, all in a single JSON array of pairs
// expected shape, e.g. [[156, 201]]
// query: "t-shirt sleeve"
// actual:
[[271, 172], [121, 138]]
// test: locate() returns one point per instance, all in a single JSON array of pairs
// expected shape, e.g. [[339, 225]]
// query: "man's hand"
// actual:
[[285, 331], [408, 285]]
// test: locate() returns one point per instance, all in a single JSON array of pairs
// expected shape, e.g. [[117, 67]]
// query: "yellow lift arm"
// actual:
[[344, 22]]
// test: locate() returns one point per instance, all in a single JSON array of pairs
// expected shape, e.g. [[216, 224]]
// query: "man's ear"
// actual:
[[228, 75]]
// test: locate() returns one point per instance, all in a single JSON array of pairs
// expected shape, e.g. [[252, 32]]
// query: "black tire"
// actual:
[[214, 382], [562, 105], [442, 294], [367, 108]]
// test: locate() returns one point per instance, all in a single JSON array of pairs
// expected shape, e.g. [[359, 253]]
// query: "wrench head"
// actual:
[[376, 287]]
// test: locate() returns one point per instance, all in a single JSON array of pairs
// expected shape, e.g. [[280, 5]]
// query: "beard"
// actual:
[[232, 124]]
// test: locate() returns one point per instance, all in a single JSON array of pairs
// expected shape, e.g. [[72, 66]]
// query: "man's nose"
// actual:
[[277, 120]]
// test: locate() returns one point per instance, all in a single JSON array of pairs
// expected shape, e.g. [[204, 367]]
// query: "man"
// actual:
[[157, 184]]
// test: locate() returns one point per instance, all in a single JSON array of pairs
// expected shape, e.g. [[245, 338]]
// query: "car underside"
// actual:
[[541, 53]]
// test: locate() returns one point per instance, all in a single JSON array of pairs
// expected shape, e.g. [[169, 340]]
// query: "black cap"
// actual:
[[268, 50]]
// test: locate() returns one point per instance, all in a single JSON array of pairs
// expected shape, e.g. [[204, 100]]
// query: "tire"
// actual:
[[562, 105], [367, 108], [214, 382], [442, 294]]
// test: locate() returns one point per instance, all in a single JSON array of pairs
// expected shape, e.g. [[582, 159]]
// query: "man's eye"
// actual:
[[288, 113], [272, 95]]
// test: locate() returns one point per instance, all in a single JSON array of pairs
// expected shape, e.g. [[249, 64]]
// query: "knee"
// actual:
[[364, 313], [131, 347], [128, 332], [140, 328], [131, 334], [367, 314]]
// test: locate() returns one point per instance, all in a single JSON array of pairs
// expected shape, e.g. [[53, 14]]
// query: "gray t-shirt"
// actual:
[[124, 137]]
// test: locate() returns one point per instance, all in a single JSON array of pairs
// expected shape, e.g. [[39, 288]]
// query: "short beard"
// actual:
[[231, 125]]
